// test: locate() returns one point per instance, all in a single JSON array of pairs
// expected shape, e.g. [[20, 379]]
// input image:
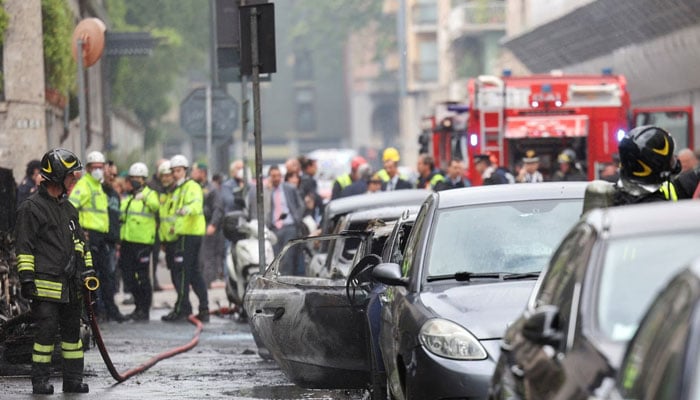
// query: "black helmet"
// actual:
[[646, 155], [58, 163]]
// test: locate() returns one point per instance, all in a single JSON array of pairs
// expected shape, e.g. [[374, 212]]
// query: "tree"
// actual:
[[150, 85]]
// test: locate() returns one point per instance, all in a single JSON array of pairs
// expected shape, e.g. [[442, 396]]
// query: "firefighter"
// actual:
[[646, 166], [52, 258], [90, 199], [429, 176], [345, 180], [166, 214], [190, 226], [569, 169], [138, 232]]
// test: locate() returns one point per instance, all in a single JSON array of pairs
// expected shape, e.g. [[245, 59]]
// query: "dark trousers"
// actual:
[[105, 273], [154, 256], [51, 319], [186, 273], [134, 261], [292, 263]]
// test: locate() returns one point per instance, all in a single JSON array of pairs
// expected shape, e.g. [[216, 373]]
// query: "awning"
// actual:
[[547, 126]]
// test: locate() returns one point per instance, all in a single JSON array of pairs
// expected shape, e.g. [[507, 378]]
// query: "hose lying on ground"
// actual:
[[148, 364]]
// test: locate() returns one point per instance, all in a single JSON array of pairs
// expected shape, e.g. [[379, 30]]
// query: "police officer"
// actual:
[[51, 260], [190, 226], [138, 233], [90, 200], [166, 213]]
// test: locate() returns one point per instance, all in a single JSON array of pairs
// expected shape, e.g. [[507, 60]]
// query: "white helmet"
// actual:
[[164, 168], [179, 161], [95, 157], [138, 169]]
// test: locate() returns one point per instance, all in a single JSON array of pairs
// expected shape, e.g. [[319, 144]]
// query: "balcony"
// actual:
[[473, 18]]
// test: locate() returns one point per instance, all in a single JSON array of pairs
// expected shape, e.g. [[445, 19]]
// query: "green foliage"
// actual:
[[57, 26], [149, 85], [4, 21]]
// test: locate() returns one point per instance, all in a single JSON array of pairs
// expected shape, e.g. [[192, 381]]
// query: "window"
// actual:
[[415, 237], [427, 67], [303, 66], [305, 113]]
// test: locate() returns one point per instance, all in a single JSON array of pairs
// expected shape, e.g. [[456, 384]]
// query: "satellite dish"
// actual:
[[92, 32]]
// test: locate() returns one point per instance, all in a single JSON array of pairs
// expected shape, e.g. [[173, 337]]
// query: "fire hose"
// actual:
[[91, 284]]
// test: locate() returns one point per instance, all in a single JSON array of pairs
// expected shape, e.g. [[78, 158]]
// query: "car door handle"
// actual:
[[274, 313], [517, 371]]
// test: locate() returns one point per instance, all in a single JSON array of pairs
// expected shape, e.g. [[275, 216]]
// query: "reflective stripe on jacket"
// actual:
[[139, 217], [189, 209], [669, 191], [344, 181], [90, 200], [166, 212]]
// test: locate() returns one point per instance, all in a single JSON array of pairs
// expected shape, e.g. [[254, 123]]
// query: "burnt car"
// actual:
[[470, 263], [337, 208], [589, 301], [661, 361], [323, 264], [315, 331]]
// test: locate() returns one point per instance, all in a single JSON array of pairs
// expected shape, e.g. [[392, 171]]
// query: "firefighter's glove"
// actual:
[[28, 290], [183, 211]]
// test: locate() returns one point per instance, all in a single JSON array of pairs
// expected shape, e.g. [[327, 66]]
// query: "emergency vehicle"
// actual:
[[509, 115]]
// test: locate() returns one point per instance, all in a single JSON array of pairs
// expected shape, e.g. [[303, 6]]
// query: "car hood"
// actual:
[[485, 309]]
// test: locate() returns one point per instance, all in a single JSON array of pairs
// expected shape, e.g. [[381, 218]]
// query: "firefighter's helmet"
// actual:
[[56, 164], [646, 155], [164, 168], [567, 156], [356, 162]]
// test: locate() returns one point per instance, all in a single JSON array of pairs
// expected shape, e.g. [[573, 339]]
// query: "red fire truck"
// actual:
[[509, 115]]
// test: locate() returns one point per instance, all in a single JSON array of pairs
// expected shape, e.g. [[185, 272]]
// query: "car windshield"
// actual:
[[505, 237], [634, 270]]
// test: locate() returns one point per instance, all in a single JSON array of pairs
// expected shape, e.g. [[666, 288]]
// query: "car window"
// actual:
[[653, 366], [560, 279], [508, 237], [634, 270], [414, 237]]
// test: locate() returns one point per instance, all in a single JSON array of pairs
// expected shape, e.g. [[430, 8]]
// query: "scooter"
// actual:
[[244, 262]]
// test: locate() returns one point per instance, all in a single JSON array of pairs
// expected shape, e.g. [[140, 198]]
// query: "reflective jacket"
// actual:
[[188, 200], [166, 212], [138, 217], [50, 245], [90, 200]]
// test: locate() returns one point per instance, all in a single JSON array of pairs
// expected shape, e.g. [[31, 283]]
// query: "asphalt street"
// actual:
[[224, 364]]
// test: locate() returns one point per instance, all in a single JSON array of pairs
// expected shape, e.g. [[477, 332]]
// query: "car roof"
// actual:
[[384, 213], [640, 219], [375, 200], [509, 193]]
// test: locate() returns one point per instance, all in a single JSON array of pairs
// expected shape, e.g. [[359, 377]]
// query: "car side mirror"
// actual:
[[389, 274], [542, 326]]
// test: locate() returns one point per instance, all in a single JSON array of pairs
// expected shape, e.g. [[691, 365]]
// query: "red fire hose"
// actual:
[[93, 285]]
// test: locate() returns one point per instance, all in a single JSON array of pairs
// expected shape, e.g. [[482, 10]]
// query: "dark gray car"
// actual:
[[470, 264]]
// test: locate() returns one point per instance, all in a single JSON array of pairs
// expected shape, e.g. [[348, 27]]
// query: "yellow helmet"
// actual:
[[390, 153]]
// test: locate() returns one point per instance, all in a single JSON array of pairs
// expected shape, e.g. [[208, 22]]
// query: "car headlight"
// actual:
[[446, 339]]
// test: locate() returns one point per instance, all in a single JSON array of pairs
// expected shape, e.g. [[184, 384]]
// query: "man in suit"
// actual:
[[455, 177], [394, 181], [284, 215]]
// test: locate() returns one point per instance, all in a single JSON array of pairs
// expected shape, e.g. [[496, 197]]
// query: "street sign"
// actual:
[[224, 111]]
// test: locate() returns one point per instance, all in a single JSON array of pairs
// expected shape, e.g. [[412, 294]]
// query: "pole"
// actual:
[[244, 122], [256, 133], [207, 108], [81, 100]]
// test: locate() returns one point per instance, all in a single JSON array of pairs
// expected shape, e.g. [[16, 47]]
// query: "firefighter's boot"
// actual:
[[73, 368], [40, 378]]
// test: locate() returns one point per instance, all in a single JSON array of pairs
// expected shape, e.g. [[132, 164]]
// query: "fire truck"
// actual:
[[506, 116]]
